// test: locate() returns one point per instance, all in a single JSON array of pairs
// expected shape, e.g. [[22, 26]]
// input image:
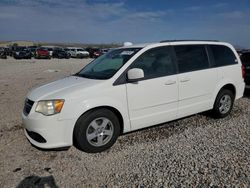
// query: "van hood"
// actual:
[[61, 88]]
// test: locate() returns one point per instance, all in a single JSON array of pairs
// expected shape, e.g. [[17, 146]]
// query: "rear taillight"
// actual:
[[243, 71]]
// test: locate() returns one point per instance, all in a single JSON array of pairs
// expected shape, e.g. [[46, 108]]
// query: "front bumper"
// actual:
[[43, 56], [56, 133]]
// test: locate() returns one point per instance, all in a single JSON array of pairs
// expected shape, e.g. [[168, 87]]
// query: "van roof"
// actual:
[[189, 41], [176, 42]]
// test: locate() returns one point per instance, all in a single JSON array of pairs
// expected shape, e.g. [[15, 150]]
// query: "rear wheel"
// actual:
[[96, 131], [223, 104]]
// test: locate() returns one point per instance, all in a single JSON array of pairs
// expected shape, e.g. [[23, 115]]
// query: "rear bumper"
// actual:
[[240, 90]]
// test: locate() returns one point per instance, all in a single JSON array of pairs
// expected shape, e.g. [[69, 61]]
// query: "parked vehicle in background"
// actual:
[[105, 50], [23, 53], [42, 53], [8, 51], [245, 59], [67, 50], [17, 49], [50, 50], [71, 51], [94, 52], [3, 54], [133, 87], [78, 53], [60, 54], [32, 50]]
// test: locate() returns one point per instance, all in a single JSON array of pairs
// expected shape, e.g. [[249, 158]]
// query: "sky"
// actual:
[[137, 21]]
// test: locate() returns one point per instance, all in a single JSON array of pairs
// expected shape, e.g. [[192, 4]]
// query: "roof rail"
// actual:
[[188, 41]]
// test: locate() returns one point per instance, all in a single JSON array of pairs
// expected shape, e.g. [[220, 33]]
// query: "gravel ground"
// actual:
[[196, 151]]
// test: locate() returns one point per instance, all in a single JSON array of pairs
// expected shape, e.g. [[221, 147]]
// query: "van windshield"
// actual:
[[108, 64]]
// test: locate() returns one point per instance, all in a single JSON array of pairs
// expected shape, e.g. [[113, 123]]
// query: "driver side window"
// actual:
[[156, 62]]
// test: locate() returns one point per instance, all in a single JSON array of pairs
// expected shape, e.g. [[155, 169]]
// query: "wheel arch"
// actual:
[[230, 87], [225, 85], [113, 109], [217, 112]]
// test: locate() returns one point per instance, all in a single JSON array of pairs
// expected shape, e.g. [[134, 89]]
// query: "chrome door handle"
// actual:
[[170, 82], [185, 79]]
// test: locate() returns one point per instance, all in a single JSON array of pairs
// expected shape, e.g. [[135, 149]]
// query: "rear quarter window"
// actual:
[[222, 56]]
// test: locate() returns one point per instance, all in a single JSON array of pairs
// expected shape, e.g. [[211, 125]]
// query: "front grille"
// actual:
[[27, 106]]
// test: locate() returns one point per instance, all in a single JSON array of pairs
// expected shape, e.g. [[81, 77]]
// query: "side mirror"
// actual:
[[135, 74]]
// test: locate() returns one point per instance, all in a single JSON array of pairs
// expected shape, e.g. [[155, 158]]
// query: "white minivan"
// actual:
[[130, 88]]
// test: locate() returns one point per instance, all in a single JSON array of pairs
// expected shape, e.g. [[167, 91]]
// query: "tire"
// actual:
[[223, 104], [102, 127]]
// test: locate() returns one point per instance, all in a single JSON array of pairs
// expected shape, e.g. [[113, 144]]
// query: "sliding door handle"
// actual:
[[170, 82], [185, 79]]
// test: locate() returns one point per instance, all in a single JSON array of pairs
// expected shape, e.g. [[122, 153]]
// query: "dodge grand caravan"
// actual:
[[130, 88]]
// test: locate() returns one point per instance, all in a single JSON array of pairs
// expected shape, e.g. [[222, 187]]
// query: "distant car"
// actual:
[[22, 53], [71, 51], [245, 59], [60, 54], [7, 51], [105, 50], [50, 50], [66, 50], [3, 54], [78, 53], [42, 53], [32, 50], [94, 52], [17, 49]]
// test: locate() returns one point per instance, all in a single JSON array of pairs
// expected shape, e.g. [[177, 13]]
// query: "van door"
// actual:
[[154, 99], [197, 81]]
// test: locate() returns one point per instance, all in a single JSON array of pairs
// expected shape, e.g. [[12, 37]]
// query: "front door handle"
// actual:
[[185, 79], [170, 82]]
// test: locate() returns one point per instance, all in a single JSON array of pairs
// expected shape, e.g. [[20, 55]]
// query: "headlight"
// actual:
[[50, 107]]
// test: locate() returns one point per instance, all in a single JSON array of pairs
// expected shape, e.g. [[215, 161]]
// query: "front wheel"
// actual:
[[96, 131], [223, 104]]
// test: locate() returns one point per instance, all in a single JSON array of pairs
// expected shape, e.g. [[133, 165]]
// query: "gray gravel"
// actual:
[[196, 151]]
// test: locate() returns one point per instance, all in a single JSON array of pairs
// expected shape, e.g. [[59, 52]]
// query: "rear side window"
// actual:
[[191, 57], [222, 56]]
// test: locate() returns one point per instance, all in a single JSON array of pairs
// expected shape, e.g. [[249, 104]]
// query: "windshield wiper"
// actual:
[[85, 76]]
